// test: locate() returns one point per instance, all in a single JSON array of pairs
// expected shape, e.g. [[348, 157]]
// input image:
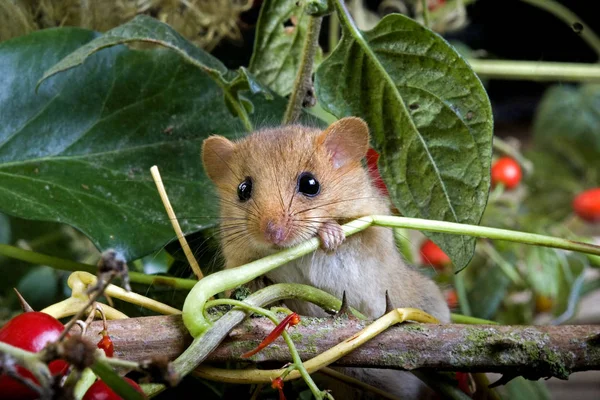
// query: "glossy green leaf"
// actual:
[[429, 116], [79, 150], [280, 35], [146, 29]]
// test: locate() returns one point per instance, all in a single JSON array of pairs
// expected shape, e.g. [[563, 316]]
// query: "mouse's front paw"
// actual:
[[331, 235]]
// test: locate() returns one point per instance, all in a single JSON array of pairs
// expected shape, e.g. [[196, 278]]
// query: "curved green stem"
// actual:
[[461, 292], [203, 345], [193, 317], [69, 265], [293, 351], [535, 70], [569, 17]]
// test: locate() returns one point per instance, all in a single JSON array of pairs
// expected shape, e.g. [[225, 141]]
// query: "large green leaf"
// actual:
[[146, 29], [79, 151], [429, 116], [278, 48]]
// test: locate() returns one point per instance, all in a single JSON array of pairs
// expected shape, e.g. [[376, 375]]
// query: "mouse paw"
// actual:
[[331, 235]]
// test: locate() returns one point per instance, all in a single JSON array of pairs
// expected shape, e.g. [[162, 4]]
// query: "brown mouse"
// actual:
[[279, 187]]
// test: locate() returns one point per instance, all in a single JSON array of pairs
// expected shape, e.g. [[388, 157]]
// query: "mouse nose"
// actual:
[[275, 233]]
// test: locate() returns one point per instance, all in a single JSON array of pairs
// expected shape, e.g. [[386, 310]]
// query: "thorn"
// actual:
[[345, 308], [24, 305], [388, 303], [504, 379]]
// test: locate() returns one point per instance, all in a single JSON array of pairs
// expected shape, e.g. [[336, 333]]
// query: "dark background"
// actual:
[[506, 29]]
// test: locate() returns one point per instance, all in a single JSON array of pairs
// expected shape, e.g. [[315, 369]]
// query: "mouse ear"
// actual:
[[347, 140], [216, 154]]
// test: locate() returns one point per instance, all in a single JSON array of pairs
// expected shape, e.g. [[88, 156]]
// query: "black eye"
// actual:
[[308, 185], [245, 189]]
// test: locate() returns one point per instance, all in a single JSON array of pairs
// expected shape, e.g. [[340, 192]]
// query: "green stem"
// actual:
[[509, 270], [30, 361], [535, 70], [193, 317], [294, 353], [220, 281], [465, 319], [303, 80], [570, 18], [425, 13], [461, 292], [203, 345], [239, 108], [68, 265], [485, 232], [334, 31]]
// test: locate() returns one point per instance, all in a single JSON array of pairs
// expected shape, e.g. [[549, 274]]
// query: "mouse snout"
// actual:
[[275, 232]]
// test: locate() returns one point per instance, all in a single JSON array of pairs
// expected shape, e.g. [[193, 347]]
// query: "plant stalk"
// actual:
[[535, 70], [303, 82], [69, 265]]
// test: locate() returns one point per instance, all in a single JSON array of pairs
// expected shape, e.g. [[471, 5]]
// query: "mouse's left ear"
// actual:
[[347, 140]]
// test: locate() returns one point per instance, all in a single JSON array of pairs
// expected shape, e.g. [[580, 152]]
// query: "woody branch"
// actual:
[[532, 351]]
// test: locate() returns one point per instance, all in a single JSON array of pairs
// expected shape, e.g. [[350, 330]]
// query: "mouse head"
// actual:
[[278, 186]]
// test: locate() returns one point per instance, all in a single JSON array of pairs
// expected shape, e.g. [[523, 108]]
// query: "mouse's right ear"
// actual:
[[216, 156]]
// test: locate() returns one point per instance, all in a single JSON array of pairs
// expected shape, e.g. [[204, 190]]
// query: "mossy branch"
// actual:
[[533, 351]]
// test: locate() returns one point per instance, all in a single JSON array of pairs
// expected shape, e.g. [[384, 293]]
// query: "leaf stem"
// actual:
[[425, 13], [69, 265], [303, 82], [535, 70], [294, 353], [461, 292], [570, 18], [220, 281]]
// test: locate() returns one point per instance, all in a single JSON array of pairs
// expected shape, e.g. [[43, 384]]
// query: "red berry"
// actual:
[[431, 254], [372, 158], [106, 344], [29, 331], [452, 299], [587, 205], [506, 171], [101, 391]]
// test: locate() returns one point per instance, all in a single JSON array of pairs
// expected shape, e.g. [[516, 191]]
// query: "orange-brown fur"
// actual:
[[365, 265]]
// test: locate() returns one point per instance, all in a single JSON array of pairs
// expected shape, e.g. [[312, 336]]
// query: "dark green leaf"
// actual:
[[488, 290], [40, 287], [571, 113], [5, 233], [146, 29], [79, 151], [280, 35], [522, 389], [429, 116], [115, 382]]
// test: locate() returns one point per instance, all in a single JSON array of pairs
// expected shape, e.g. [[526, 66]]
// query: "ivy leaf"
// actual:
[[429, 115], [79, 150], [280, 35], [146, 29]]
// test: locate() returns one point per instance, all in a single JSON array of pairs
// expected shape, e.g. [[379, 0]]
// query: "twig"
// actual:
[[303, 82], [171, 213], [545, 350]]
